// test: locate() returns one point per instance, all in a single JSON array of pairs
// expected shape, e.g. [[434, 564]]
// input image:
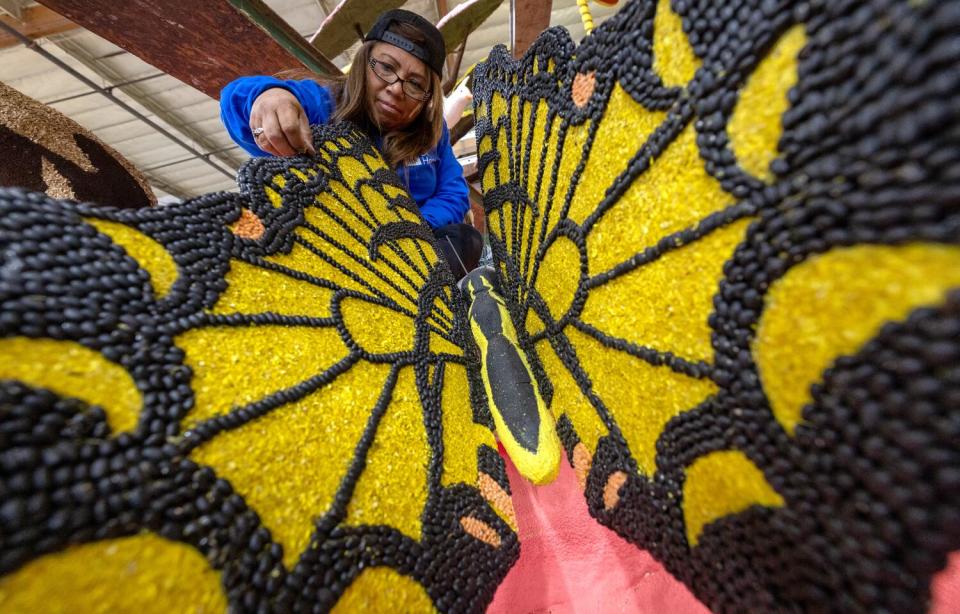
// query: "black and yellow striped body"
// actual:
[[523, 422]]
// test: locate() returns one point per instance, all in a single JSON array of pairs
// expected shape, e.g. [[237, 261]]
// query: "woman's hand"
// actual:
[[286, 130]]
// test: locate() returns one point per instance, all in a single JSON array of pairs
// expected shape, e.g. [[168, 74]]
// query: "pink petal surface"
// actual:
[[570, 563], [945, 588]]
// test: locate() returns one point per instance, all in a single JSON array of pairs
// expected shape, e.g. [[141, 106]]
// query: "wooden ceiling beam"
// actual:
[[204, 44], [288, 38], [528, 18], [464, 19], [453, 68], [112, 78], [343, 25], [14, 8], [34, 22]]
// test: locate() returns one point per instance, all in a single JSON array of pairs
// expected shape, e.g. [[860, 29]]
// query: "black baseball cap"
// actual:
[[433, 53]]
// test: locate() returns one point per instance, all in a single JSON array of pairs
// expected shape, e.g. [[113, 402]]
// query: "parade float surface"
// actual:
[[726, 245]]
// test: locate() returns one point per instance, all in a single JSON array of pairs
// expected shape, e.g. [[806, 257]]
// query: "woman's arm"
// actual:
[[450, 202], [284, 109]]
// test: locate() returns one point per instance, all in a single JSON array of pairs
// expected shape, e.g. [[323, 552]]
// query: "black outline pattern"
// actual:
[[869, 154], [67, 480]]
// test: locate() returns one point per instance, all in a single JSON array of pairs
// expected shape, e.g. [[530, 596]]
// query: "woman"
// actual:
[[393, 93]]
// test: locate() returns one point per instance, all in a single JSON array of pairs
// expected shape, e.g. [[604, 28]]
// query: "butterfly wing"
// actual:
[[270, 388], [701, 228]]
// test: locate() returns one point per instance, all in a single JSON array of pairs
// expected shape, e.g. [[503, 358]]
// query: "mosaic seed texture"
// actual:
[[728, 242], [261, 402], [729, 236]]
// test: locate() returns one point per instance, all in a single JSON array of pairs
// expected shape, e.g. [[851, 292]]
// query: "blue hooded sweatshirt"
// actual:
[[434, 180]]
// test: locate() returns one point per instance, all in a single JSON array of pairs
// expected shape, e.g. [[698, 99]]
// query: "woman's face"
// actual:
[[389, 105]]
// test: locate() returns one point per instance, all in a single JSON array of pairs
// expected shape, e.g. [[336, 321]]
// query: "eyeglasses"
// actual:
[[388, 75]]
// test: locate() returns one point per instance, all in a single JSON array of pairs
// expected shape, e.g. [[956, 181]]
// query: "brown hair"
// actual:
[[349, 92]]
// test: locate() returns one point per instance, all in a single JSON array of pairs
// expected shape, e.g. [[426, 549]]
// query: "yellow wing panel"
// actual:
[[144, 573], [639, 219], [72, 370], [808, 322], [253, 289], [380, 590], [673, 58], [392, 490], [236, 366], [390, 326], [755, 126], [460, 432], [570, 151], [559, 276], [641, 397], [288, 464], [303, 260], [721, 484], [150, 255], [568, 399], [665, 304], [624, 129]]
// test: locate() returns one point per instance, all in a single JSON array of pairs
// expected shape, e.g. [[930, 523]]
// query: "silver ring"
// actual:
[[257, 131]]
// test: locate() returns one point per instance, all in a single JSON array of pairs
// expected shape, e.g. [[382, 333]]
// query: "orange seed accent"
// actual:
[[583, 85], [582, 462], [249, 226], [481, 530], [611, 492], [497, 496]]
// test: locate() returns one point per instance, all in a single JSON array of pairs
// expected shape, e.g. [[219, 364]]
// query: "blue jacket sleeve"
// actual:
[[236, 100], [449, 202]]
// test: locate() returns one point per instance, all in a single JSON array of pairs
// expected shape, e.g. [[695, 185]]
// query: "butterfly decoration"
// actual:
[[727, 235], [262, 400], [726, 261]]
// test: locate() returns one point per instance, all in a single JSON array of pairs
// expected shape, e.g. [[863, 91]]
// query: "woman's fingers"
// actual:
[[307, 134], [295, 128], [285, 130], [275, 136], [261, 136]]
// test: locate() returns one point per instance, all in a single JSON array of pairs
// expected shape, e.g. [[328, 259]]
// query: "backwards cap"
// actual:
[[433, 53]]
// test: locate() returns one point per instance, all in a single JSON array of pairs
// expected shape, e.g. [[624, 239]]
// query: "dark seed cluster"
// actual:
[[491, 463], [869, 156], [68, 477], [65, 481]]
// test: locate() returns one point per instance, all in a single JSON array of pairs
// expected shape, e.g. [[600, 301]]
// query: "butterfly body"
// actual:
[[524, 424], [727, 247]]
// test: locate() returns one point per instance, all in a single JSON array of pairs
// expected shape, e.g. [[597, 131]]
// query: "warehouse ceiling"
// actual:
[[168, 129]]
